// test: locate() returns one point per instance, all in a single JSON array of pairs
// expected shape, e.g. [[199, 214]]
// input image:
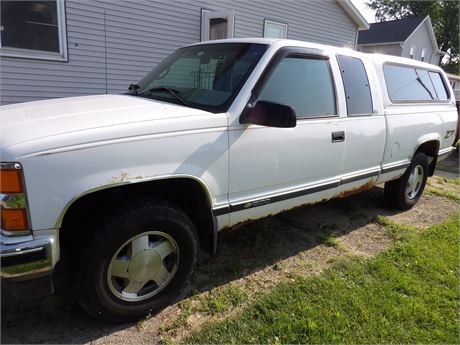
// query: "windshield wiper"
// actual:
[[423, 84], [176, 93]]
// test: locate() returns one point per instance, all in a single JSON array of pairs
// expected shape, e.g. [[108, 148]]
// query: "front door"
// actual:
[[272, 169]]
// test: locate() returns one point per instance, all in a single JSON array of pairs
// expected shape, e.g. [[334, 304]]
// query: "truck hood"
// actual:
[[86, 118]]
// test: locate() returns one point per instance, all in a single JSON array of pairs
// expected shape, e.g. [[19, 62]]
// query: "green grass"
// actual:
[[394, 230], [331, 241], [408, 294], [451, 180], [220, 300], [443, 193]]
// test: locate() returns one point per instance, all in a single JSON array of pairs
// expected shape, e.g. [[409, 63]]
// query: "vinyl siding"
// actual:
[[389, 49], [113, 43], [421, 39]]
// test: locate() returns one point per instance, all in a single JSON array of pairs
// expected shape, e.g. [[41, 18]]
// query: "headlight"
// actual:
[[13, 203]]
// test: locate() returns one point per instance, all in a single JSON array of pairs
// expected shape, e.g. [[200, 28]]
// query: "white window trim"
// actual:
[[44, 55], [268, 22], [206, 16]]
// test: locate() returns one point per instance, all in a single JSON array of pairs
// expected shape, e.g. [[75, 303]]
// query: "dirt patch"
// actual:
[[250, 261]]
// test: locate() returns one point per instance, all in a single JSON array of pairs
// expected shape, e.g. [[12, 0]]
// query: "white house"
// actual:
[[409, 37], [60, 48]]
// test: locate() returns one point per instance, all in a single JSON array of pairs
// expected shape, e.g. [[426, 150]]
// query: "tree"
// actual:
[[444, 16]]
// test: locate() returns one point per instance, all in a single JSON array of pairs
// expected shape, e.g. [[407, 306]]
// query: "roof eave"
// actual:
[[353, 12], [380, 43]]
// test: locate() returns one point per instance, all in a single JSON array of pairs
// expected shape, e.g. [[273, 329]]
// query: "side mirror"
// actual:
[[269, 114]]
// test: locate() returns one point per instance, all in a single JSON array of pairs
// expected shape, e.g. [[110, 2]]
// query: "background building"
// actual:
[[77, 47], [410, 37]]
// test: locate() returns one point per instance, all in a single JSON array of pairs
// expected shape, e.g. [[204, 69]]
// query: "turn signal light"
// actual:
[[14, 219], [10, 181]]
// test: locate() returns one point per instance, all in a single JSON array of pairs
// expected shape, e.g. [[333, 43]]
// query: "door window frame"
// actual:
[[286, 52]]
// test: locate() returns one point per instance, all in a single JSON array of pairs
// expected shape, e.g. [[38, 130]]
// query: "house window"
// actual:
[[33, 29], [275, 29], [216, 25]]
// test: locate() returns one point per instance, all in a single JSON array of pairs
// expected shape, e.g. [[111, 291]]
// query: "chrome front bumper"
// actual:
[[26, 256]]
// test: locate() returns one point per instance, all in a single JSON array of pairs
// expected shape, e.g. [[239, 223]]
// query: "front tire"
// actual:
[[137, 262], [404, 192]]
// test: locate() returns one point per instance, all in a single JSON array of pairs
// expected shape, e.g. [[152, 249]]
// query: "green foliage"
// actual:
[[408, 294], [444, 16]]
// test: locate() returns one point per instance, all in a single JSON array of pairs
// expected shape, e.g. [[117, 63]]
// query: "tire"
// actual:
[[137, 262], [404, 192]]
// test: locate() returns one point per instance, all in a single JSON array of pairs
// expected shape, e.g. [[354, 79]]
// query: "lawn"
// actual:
[[408, 294]]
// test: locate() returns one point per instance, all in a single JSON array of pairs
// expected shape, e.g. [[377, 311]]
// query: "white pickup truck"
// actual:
[[116, 193]]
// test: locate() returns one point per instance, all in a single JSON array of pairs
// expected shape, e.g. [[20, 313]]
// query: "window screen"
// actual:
[[356, 84], [30, 25], [303, 83], [411, 84]]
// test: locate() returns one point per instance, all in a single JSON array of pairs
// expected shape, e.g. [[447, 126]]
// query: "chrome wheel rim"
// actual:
[[143, 266], [414, 183]]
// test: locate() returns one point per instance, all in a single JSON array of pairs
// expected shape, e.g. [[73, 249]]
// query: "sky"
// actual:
[[367, 13]]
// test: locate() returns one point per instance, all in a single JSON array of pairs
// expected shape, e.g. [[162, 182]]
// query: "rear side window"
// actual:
[[305, 84], [356, 84], [414, 85], [439, 86]]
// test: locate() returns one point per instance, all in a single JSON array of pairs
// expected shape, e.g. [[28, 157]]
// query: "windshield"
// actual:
[[204, 76]]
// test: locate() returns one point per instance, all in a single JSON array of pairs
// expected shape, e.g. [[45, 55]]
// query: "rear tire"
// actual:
[[404, 192], [137, 262]]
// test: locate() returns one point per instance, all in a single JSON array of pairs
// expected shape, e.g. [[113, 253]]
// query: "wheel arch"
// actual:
[[429, 145], [187, 192]]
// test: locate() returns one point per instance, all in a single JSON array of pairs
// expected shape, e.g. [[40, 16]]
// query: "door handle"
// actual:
[[338, 136]]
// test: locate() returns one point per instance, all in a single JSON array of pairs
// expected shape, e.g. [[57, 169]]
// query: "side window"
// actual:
[[439, 86], [356, 84], [405, 83], [304, 83]]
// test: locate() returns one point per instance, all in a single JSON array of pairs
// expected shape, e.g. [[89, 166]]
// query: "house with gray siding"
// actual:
[[409, 37], [61, 48]]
